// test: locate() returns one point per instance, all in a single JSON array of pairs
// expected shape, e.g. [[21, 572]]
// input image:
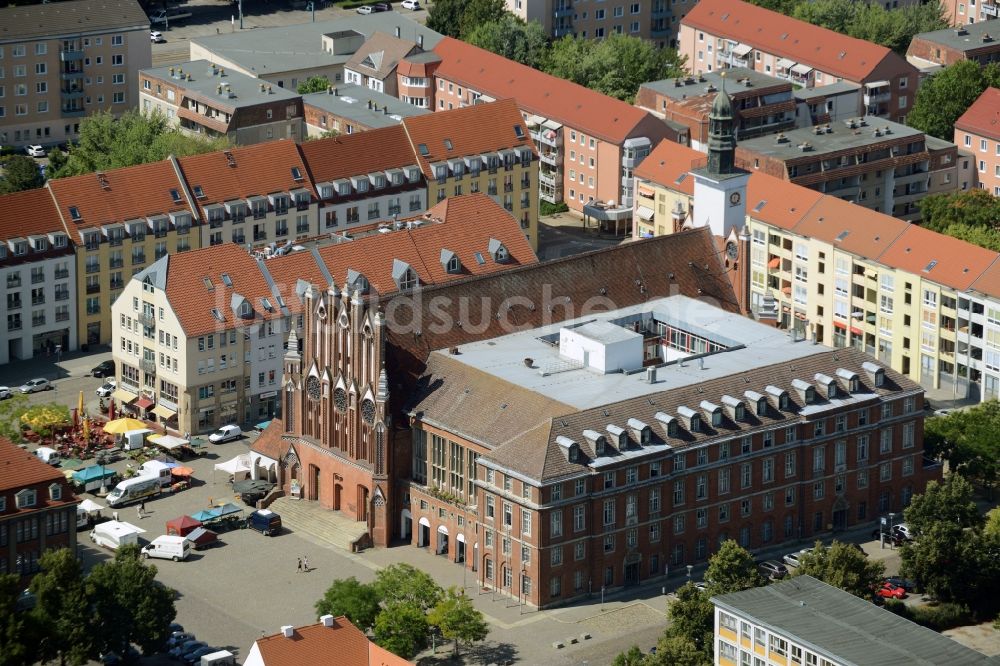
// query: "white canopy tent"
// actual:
[[168, 442], [233, 467]]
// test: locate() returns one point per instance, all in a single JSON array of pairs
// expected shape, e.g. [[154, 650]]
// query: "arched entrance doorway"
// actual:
[[460, 548], [423, 533], [313, 490], [405, 524], [840, 514], [442, 541], [362, 503], [338, 492]]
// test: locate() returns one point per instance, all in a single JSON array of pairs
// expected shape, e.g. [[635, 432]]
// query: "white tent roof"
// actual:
[[89, 505], [240, 463], [168, 442]]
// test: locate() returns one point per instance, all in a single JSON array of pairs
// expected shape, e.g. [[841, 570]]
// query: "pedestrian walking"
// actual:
[[299, 570], [115, 514], [305, 564], [138, 511], [142, 507]]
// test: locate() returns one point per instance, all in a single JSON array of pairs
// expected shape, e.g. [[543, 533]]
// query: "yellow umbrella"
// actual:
[[79, 406], [119, 426]]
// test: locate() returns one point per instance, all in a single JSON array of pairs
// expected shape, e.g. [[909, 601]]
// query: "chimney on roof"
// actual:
[[262, 87], [397, 32], [420, 41], [651, 375], [987, 38], [171, 70], [188, 77], [288, 631], [268, 88], [328, 621]]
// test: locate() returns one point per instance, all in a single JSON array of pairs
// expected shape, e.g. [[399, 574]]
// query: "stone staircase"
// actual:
[[325, 525]]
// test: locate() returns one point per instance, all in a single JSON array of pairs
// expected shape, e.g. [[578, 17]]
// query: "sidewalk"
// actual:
[[68, 364]]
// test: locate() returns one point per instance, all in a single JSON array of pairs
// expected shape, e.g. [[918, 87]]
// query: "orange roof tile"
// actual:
[[829, 51], [315, 644], [355, 154], [852, 228], [287, 270], [942, 259], [257, 170], [668, 162], [989, 282], [778, 202], [472, 130], [27, 213], [536, 92], [983, 117], [18, 468], [120, 195]]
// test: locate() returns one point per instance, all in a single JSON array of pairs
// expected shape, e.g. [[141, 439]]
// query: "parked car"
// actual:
[[773, 569], [156, 37], [186, 647], [794, 559], [365, 9], [4, 392], [106, 389], [104, 369], [382, 7], [195, 657], [890, 591], [35, 385], [179, 637], [226, 433], [411, 4], [904, 583], [35, 150], [904, 531]]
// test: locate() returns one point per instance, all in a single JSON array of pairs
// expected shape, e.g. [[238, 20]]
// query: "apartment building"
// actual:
[[374, 64], [717, 34], [38, 274], [872, 162], [347, 109], [977, 41], [803, 620], [257, 196], [587, 149], [37, 511], [201, 337], [323, 48], [204, 99], [65, 60], [484, 148], [119, 222], [664, 190], [977, 133], [656, 21], [415, 75], [761, 104], [639, 441], [832, 103], [967, 12]]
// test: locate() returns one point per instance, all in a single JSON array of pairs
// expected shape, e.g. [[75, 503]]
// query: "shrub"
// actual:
[[937, 617], [546, 208]]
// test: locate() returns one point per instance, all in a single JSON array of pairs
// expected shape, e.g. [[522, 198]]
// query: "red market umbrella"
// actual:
[[183, 472]]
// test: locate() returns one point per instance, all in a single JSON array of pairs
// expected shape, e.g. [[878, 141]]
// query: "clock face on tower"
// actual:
[[734, 198], [731, 250], [312, 388]]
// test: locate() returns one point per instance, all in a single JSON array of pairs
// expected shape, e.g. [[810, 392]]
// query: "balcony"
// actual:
[[93, 310], [14, 305], [607, 213], [37, 277], [94, 288], [71, 74], [148, 366], [38, 321], [876, 98], [62, 273], [70, 55], [550, 157], [38, 300], [62, 315], [259, 236], [13, 324], [563, 12], [138, 259], [508, 188], [62, 295], [69, 94], [13, 283], [118, 284], [147, 319], [116, 262]]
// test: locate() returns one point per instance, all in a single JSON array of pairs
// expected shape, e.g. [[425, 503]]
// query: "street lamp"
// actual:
[[602, 598], [312, 7]]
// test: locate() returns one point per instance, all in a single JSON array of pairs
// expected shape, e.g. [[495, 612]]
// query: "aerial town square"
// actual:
[[568, 332]]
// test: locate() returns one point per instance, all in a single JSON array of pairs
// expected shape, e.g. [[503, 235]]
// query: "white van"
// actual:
[[174, 548], [158, 469], [133, 440], [133, 490], [113, 534], [48, 455], [220, 658]]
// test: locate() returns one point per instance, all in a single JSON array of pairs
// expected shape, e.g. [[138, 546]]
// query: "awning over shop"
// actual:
[[645, 213], [840, 324], [801, 70], [742, 49], [163, 412], [144, 403], [123, 396], [785, 63]]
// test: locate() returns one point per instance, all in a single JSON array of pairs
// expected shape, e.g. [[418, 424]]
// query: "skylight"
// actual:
[[448, 144], [519, 131], [208, 284], [198, 192], [217, 314], [226, 280], [423, 149], [175, 195], [479, 259], [267, 305], [296, 173], [760, 206], [929, 267], [842, 235], [74, 213]]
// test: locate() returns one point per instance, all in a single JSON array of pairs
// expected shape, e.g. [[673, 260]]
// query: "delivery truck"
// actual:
[[168, 547], [134, 490], [114, 534]]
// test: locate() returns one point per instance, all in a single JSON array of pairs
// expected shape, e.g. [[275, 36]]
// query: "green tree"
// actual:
[[892, 28], [20, 173], [405, 584], [57, 160], [732, 569], [844, 566], [478, 12], [357, 601], [128, 604], [992, 527], [513, 39], [458, 619], [445, 17], [951, 501], [313, 84], [10, 416], [943, 97], [402, 629], [134, 138], [785, 7], [63, 609], [633, 657], [951, 564], [18, 646], [691, 617], [677, 651], [967, 440]]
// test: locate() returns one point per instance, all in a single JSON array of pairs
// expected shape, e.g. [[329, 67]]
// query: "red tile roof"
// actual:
[[983, 117], [257, 170], [27, 213], [850, 227], [472, 130], [537, 92], [826, 50], [18, 468], [316, 644], [942, 259], [120, 195], [668, 162], [778, 202], [355, 154]]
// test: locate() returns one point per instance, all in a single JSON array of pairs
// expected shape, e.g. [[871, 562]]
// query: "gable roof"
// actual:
[[315, 643], [827, 50], [983, 117], [472, 130], [379, 55], [667, 164], [939, 258], [19, 468], [239, 173], [43, 218], [778, 202], [120, 195], [361, 153], [852, 228], [536, 92]]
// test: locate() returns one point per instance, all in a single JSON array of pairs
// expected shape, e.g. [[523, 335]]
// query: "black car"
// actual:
[[382, 7], [904, 583], [772, 569], [105, 369]]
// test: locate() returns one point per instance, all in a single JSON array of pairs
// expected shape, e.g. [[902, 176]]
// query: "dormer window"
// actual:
[[669, 423], [245, 310], [404, 275], [618, 436], [779, 395], [3, 504], [597, 441], [691, 417], [571, 448], [805, 389], [876, 372], [499, 251], [176, 196], [850, 379], [641, 431], [450, 261], [713, 411], [55, 491], [26, 498], [735, 406], [827, 384]]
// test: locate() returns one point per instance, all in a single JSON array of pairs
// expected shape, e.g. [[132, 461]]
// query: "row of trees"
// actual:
[[402, 607], [615, 66], [688, 639], [77, 617], [944, 96], [892, 28]]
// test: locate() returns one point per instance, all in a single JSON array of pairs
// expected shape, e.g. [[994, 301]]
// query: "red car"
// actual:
[[890, 591]]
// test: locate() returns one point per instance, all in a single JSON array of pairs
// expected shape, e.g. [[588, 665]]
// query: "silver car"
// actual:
[[4, 392], [35, 385]]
